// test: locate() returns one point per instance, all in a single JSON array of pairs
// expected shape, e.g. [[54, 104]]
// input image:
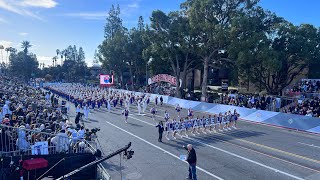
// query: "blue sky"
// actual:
[[55, 24]]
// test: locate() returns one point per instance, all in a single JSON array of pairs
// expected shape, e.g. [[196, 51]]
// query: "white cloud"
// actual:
[[23, 34], [3, 20], [6, 43], [134, 5], [39, 3], [89, 15], [47, 60], [22, 7]]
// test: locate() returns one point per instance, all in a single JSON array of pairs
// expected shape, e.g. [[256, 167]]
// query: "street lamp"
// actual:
[[150, 60]]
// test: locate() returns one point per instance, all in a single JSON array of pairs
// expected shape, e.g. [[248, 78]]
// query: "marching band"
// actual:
[[85, 97]]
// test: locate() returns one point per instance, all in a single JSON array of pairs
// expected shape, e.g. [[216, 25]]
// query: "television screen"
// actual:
[[106, 79]]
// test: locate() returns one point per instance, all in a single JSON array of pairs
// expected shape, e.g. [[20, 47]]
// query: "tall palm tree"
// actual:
[[13, 50], [61, 56], [25, 45]]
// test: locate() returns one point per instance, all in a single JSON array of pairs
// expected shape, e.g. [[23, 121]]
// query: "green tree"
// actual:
[[81, 56], [270, 51], [22, 64], [210, 19], [174, 41], [114, 23], [112, 53]]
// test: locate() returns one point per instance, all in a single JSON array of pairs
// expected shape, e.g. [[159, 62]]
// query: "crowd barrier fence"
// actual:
[[291, 121], [17, 141]]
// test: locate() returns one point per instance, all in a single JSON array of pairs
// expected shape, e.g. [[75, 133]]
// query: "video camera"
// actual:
[[128, 154], [91, 134], [95, 130]]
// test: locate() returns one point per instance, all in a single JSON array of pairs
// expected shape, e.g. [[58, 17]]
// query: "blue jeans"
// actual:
[[192, 172]]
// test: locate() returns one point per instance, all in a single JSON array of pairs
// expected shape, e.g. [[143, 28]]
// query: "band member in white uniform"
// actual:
[[139, 106], [167, 129], [109, 105], [86, 111], [144, 105], [78, 109], [166, 116]]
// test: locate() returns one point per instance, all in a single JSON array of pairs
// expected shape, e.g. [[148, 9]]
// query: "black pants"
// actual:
[[160, 137]]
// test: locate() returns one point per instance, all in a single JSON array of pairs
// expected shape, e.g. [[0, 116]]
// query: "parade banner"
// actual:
[[164, 78], [193, 123]]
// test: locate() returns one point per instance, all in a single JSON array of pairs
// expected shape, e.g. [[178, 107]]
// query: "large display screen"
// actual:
[[106, 79]]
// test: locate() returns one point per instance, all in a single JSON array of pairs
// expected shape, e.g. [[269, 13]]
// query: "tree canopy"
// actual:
[[253, 44]]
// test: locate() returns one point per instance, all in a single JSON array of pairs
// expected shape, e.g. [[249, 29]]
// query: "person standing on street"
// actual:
[[192, 160], [160, 130]]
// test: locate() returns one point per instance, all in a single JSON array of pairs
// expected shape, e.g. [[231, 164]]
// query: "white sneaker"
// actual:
[[229, 128], [235, 127]]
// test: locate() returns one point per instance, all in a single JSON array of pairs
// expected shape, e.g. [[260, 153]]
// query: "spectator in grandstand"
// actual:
[[308, 107], [22, 144], [247, 100], [61, 142], [309, 86]]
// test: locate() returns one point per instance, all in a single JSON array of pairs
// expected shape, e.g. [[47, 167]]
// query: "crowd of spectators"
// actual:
[[307, 86], [249, 101], [162, 89], [29, 116], [308, 107]]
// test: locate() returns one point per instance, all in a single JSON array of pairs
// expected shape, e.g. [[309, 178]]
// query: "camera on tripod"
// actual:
[[95, 130], [91, 134], [128, 154]]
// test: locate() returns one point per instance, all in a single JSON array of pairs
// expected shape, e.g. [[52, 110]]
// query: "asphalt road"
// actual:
[[251, 152]]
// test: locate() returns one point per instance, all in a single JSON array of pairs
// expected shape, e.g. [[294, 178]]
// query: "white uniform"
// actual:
[[86, 111]]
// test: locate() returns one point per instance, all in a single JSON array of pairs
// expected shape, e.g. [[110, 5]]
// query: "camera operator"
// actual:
[[78, 118]]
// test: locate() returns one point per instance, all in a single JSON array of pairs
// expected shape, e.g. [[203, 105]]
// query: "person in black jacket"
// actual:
[[192, 160], [77, 119], [160, 130]]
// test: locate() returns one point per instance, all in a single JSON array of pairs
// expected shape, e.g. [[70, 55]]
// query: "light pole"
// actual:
[[148, 62]]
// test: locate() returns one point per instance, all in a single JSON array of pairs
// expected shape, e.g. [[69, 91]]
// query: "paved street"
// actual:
[[250, 152]]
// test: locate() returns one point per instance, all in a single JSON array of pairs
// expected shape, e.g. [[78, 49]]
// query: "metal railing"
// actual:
[[15, 141], [102, 173]]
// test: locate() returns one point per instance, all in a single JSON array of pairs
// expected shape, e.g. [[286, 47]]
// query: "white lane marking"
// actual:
[[141, 121], [241, 157], [311, 145], [165, 151], [246, 159]]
